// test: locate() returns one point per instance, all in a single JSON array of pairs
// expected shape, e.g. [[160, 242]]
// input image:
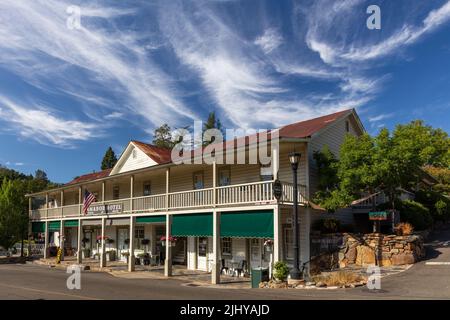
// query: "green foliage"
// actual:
[[281, 270], [443, 176], [329, 225], [415, 213], [436, 203], [327, 166], [211, 123], [162, 137], [109, 159]]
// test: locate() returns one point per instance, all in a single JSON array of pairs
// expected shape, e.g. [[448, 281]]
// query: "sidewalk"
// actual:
[[119, 269]]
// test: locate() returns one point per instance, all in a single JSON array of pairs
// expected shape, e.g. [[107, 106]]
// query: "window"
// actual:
[[226, 246], [202, 247], [147, 188], [95, 193], [139, 235], [198, 180], [266, 173], [288, 243], [347, 126], [224, 177], [134, 153], [116, 192]]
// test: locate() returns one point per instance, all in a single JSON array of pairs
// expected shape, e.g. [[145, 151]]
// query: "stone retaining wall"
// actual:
[[388, 250]]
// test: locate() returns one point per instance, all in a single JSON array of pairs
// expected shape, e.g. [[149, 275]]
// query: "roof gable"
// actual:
[[138, 155]]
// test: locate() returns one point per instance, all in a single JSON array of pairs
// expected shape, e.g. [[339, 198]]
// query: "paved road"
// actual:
[[422, 281]]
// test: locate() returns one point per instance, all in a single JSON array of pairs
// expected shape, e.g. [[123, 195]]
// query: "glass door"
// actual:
[[202, 258]]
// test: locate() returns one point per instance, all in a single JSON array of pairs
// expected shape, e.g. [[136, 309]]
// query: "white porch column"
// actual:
[[46, 240], [305, 227], [46, 205], [103, 255], [80, 237], [275, 159], [277, 240], [131, 192], [80, 199], [131, 260], [216, 265], [103, 191], [61, 239], [168, 260], [214, 183]]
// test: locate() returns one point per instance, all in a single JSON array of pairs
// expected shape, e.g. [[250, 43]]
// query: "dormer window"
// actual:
[[134, 153]]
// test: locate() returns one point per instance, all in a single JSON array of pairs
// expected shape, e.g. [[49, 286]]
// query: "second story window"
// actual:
[[347, 126], [116, 192], [224, 177], [147, 188], [198, 180], [134, 153], [266, 173]]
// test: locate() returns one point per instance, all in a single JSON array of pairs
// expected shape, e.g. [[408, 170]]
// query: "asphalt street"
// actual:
[[428, 279]]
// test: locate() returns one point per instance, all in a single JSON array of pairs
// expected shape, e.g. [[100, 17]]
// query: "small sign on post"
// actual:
[[277, 189], [378, 215]]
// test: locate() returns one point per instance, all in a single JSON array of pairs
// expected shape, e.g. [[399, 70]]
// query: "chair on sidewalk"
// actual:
[[240, 270], [224, 267]]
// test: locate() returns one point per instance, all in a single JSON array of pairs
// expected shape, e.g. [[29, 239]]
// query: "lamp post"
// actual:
[[294, 159]]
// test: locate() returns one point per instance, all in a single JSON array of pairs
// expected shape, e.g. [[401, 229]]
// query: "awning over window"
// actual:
[[247, 224], [192, 225], [151, 219], [71, 223], [54, 226], [38, 227]]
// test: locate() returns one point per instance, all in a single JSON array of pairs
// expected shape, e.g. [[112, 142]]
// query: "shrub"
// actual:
[[404, 229], [416, 214], [339, 278], [329, 225], [281, 270], [436, 203]]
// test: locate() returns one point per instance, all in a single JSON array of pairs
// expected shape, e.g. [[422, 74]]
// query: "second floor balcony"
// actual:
[[247, 194]]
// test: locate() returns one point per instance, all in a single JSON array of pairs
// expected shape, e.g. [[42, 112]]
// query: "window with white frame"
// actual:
[[226, 246], [147, 187], [224, 177], [138, 237]]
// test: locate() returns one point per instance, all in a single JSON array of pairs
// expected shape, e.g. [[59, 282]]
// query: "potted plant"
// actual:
[[126, 254], [281, 270], [172, 241], [84, 241]]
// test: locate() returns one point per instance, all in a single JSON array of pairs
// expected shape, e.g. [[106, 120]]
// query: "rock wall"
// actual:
[[388, 250]]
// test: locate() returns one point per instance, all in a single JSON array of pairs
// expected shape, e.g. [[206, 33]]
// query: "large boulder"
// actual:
[[402, 258], [365, 256]]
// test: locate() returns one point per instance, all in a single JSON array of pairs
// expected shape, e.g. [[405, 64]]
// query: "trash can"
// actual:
[[259, 275]]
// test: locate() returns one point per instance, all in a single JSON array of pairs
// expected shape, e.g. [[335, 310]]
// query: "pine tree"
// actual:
[[211, 123], [109, 160], [162, 137]]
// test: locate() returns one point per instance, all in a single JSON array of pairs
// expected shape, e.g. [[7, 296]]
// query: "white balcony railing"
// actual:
[[256, 193]]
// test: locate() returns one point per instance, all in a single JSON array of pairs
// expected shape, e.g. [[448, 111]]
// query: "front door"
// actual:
[[122, 246], [202, 257]]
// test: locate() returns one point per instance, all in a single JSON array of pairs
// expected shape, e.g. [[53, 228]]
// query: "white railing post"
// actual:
[[214, 183], [80, 189], [131, 192], [167, 188]]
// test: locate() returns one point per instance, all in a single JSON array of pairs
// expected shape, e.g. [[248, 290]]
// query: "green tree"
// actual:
[[212, 123], [13, 218], [109, 159], [162, 137]]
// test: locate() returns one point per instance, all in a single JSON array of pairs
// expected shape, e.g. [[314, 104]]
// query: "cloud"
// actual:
[[43, 125], [381, 117], [269, 41], [36, 45]]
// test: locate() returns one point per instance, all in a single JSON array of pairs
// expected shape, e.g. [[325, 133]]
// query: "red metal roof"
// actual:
[[90, 176], [304, 129], [159, 155]]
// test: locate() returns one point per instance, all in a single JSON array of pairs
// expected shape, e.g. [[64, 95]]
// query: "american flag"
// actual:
[[88, 199]]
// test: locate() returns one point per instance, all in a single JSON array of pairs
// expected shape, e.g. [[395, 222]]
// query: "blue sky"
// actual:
[[67, 94]]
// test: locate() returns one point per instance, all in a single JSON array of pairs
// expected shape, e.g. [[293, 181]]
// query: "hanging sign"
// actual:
[[277, 189], [105, 208]]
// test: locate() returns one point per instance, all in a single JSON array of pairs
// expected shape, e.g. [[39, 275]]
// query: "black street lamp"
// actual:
[[294, 159]]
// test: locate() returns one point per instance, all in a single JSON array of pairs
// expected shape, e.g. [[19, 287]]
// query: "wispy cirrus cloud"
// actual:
[[40, 123]]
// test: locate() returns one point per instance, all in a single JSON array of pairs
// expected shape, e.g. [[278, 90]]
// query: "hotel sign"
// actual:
[[378, 216], [105, 209]]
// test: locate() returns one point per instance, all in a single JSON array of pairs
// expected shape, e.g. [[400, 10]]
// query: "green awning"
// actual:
[[71, 223], [54, 226], [247, 224], [151, 219], [192, 225], [38, 227]]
